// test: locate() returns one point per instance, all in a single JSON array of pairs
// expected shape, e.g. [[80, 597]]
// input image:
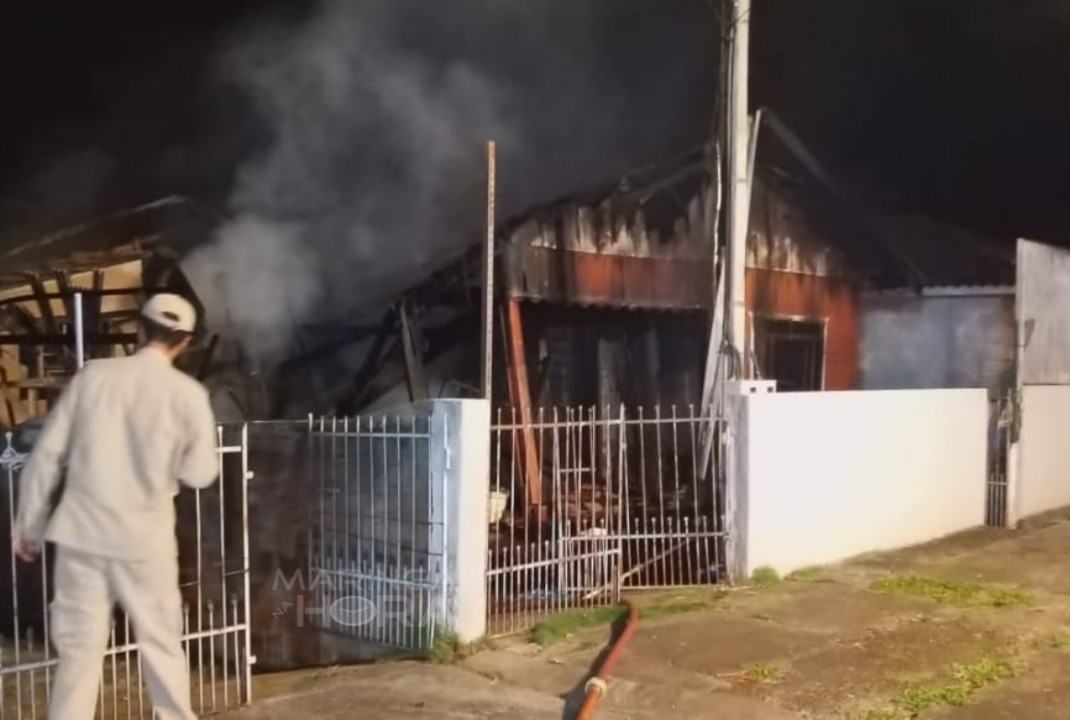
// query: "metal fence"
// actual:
[[214, 557], [1000, 425], [585, 502], [377, 540]]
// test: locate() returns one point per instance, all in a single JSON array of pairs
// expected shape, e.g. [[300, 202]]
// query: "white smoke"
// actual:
[[378, 112]]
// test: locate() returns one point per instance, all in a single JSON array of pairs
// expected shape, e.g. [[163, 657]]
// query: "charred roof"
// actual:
[[167, 226]]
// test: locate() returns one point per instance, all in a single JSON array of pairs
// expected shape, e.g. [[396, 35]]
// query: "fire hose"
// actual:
[[598, 684]]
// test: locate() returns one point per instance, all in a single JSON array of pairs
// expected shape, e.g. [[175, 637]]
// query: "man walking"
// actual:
[[126, 432]]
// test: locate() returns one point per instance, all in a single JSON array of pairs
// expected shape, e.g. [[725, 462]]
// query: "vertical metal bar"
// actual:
[[644, 508], [384, 500], [141, 686], [129, 652], [674, 531], [347, 550], [334, 492], [692, 519], [12, 504], [398, 553], [659, 520], [79, 331], [420, 524], [496, 542], [622, 480], [246, 476], [421, 530], [358, 495], [321, 571], [211, 651], [223, 563], [114, 675], [487, 325], [47, 646], [373, 523], [235, 635], [445, 515]]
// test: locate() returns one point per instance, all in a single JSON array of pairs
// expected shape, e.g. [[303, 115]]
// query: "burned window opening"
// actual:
[[792, 352]]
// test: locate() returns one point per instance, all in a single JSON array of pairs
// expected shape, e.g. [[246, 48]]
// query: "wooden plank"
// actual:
[[518, 370]]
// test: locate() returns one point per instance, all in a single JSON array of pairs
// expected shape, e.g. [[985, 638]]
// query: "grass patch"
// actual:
[[558, 627], [952, 592], [1059, 641], [812, 573], [764, 577], [879, 715], [447, 649], [967, 681], [678, 604], [983, 673], [759, 673], [913, 701]]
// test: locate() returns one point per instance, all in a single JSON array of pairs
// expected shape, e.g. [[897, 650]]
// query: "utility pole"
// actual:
[[739, 141], [729, 301]]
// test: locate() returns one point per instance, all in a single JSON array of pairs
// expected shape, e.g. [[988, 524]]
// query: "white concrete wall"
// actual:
[[828, 476], [1044, 451]]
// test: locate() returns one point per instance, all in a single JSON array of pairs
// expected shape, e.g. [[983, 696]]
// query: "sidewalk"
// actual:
[[972, 628]]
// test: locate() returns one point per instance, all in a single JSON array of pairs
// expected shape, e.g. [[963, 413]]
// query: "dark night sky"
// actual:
[[955, 108]]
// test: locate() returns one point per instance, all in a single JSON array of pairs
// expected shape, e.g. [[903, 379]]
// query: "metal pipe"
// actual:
[[597, 686], [487, 326], [79, 330]]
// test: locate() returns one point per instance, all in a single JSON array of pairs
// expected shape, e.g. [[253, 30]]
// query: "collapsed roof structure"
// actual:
[[633, 260]]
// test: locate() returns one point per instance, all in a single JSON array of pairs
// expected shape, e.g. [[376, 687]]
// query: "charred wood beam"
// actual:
[[389, 372], [518, 373], [37, 297], [20, 318], [63, 283], [414, 367], [44, 304], [350, 401], [64, 339]]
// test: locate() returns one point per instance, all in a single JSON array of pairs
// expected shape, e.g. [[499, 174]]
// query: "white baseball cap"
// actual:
[[171, 311]]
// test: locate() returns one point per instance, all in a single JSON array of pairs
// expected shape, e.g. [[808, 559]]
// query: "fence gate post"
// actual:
[[462, 477]]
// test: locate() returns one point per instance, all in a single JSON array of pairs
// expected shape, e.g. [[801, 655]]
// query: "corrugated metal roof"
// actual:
[[944, 255]]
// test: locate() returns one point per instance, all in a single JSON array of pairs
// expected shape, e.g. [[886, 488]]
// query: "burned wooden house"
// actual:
[[112, 262]]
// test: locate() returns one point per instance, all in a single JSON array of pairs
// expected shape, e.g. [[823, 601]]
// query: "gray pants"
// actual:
[[87, 589]]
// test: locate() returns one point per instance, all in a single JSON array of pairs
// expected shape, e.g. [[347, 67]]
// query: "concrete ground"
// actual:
[[975, 627]]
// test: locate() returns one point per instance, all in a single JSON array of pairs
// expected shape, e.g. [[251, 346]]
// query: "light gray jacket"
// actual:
[[126, 431]]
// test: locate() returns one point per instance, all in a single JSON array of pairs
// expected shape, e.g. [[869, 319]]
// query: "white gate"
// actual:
[[377, 537], [1000, 414], [586, 502], [214, 562]]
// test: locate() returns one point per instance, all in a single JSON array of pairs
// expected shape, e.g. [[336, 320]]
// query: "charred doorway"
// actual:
[[791, 351]]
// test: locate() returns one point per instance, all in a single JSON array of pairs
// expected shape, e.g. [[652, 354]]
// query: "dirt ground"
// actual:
[[974, 627]]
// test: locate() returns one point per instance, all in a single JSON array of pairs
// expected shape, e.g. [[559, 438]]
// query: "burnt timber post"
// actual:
[[518, 383]]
